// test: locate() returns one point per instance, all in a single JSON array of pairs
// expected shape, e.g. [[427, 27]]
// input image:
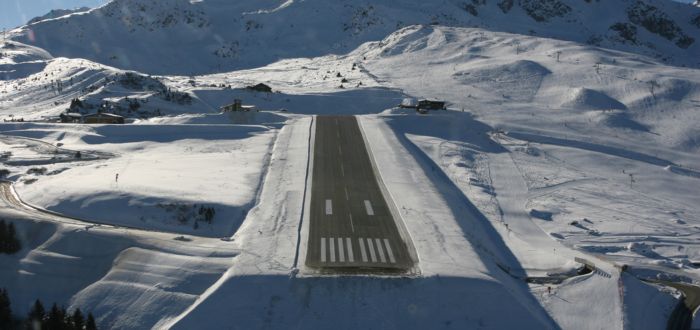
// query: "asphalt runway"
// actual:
[[351, 227]]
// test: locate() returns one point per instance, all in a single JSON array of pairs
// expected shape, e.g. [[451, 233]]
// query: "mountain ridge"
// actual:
[[221, 36]]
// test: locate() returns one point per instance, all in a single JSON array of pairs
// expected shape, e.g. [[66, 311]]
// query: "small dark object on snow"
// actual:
[[260, 88]]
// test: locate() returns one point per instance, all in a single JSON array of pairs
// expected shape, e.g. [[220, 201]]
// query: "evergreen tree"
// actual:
[[90, 323], [3, 237], [78, 321], [36, 316], [5, 310], [14, 245], [66, 320], [54, 320]]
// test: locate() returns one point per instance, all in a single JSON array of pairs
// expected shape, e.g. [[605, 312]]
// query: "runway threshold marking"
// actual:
[[363, 252], [368, 206], [389, 251], [332, 245], [371, 250], [380, 250], [329, 207], [351, 256], [341, 253]]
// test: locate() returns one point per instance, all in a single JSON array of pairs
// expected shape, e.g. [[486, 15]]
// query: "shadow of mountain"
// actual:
[[278, 301]]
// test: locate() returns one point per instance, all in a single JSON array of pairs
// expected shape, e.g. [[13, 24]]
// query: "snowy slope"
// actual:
[[56, 13], [579, 138], [222, 35]]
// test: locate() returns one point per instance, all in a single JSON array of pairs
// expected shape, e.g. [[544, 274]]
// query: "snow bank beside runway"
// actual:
[[166, 174]]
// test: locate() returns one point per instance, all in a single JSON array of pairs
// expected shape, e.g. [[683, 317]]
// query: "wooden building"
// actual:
[[237, 105], [71, 117], [103, 118], [431, 105]]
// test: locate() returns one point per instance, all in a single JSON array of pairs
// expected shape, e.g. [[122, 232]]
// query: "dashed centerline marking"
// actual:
[[352, 225], [329, 207], [347, 196], [368, 206], [342, 169]]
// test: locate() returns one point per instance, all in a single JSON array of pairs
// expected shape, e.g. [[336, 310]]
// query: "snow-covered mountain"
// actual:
[[56, 13], [572, 132], [195, 37]]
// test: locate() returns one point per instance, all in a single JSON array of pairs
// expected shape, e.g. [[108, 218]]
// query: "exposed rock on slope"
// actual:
[[218, 35]]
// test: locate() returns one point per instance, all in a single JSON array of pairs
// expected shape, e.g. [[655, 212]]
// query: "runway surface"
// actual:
[[351, 227]]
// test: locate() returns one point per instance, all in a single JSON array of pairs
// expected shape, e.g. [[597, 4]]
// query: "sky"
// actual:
[[14, 13]]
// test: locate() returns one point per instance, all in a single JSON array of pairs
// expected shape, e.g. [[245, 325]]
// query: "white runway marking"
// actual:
[[363, 252], [340, 150], [351, 256], [371, 250], [381, 251], [341, 253], [368, 206], [352, 225], [389, 252], [329, 207], [347, 196], [342, 169], [332, 245], [323, 249]]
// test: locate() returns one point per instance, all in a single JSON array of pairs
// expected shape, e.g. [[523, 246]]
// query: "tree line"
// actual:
[[9, 242], [40, 319]]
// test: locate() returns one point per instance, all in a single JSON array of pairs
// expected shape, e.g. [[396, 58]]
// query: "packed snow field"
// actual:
[[555, 151]]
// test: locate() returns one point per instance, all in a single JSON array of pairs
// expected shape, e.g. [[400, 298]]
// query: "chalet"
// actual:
[[103, 118], [237, 105], [71, 117], [431, 105], [260, 88]]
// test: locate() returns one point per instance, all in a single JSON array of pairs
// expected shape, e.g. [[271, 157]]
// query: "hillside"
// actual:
[[571, 131], [223, 36]]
